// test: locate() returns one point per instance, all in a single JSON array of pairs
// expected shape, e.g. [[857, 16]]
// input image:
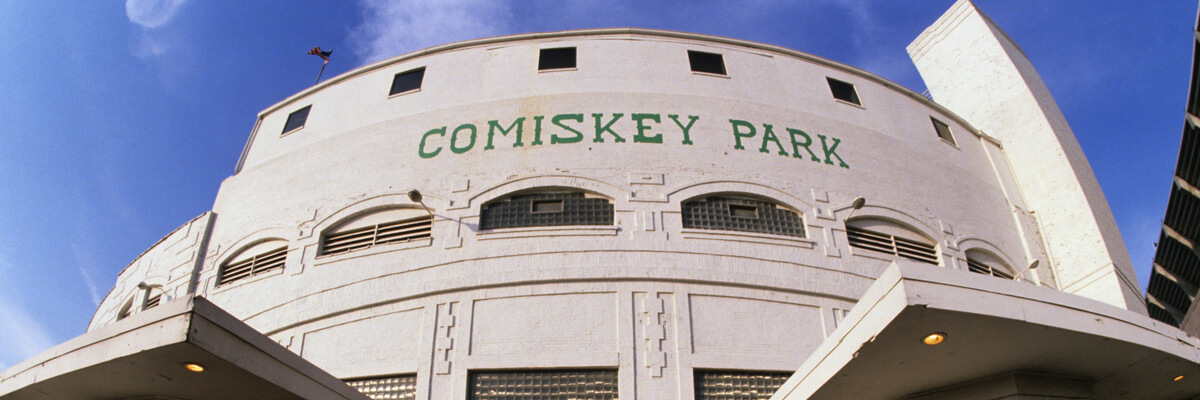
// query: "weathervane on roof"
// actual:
[[324, 54]]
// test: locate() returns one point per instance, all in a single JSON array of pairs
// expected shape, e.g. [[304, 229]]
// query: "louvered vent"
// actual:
[[543, 385], [401, 387], [367, 236], [152, 301], [897, 246], [258, 264], [738, 385], [981, 268]]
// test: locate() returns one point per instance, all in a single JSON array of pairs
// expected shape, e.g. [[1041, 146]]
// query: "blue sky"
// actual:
[[118, 121]]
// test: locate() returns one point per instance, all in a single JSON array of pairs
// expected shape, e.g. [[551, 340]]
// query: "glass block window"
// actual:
[[546, 209], [943, 130], [560, 58], [741, 214], [296, 120], [711, 63], [400, 387], [890, 238], [843, 91], [407, 81], [258, 259], [738, 385], [543, 385]]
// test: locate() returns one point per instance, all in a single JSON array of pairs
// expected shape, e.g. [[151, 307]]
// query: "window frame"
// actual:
[[697, 57], [938, 126], [854, 99], [396, 78], [306, 110], [554, 52]]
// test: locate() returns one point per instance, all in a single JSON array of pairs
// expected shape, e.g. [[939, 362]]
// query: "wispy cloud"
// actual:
[[391, 28], [20, 333], [84, 262], [152, 14]]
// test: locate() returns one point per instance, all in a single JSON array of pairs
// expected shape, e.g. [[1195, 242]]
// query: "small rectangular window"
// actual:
[[560, 58], [743, 211], [843, 91], [407, 81], [547, 206], [943, 131], [296, 120], [706, 62]]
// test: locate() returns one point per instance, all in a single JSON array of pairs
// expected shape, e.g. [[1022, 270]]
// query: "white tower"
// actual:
[[973, 68]]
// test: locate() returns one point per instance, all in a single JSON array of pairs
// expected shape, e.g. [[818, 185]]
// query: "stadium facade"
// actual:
[[643, 214]]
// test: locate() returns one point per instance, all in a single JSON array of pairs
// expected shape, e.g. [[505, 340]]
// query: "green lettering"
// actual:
[[607, 127], [687, 139], [641, 137], [831, 151], [769, 135], [557, 120], [537, 130], [797, 145], [738, 135], [421, 149], [494, 126], [454, 137]]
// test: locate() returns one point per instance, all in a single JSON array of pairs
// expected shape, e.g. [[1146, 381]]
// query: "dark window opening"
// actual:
[[843, 91], [547, 206], [706, 62], [296, 120], [743, 211], [407, 81], [943, 130], [542, 385], [559, 58], [546, 209], [738, 385], [741, 214]]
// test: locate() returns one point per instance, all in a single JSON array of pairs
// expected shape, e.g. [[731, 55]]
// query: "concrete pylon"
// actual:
[[973, 68]]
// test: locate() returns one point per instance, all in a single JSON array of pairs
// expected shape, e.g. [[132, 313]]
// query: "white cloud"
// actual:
[[22, 335], [83, 260], [151, 14], [391, 28]]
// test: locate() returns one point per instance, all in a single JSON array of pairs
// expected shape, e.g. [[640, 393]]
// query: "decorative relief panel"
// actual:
[[443, 342], [654, 322]]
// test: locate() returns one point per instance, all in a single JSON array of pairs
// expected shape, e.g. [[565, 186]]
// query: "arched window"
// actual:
[[888, 237], [392, 225], [982, 262], [548, 208], [733, 213], [254, 260]]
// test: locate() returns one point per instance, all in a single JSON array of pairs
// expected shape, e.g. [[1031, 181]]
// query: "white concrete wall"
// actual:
[[644, 295]]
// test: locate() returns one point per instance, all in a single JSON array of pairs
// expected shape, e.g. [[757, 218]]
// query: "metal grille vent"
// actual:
[[738, 385], [981, 268], [897, 246], [258, 264], [542, 209], [401, 387], [367, 236], [738, 214], [544, 385], [152, 301]]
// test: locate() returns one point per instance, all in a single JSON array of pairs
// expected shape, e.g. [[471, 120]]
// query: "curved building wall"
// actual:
[[630, 123]]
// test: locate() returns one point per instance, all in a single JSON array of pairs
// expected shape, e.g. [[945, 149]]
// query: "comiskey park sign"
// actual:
[[570, 128]]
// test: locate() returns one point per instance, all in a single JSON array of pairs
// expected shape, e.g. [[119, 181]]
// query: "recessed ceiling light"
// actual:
[[934, 338], [1178, 378], [194, 367]]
